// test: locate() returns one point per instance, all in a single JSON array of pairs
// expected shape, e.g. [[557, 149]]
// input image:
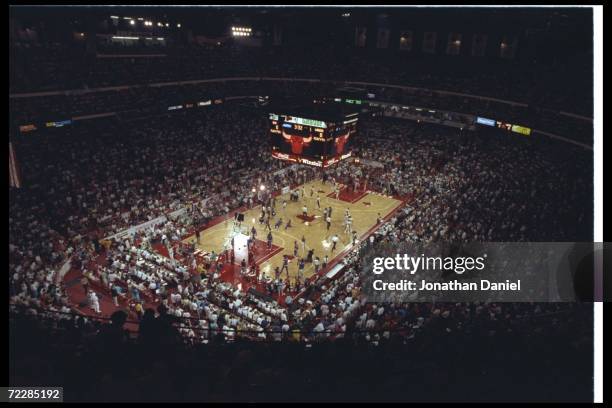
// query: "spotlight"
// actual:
[[132, 22], [262, 187]]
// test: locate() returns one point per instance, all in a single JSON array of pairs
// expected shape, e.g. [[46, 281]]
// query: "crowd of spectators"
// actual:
[[97, 179], [546, 357], [545, 89], [63, 64], [157, 321], [481, 185], [133, 102], [94, 179]]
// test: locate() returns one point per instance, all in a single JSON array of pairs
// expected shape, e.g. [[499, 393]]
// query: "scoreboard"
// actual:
[[315, 142]]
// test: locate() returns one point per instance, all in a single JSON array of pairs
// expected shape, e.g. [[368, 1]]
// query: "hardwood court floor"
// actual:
[[364, 211]]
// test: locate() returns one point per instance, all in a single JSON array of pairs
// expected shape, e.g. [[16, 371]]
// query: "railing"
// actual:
[[54, 317]]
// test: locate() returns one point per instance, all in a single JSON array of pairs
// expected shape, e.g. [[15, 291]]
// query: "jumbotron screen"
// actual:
[[313, 142]]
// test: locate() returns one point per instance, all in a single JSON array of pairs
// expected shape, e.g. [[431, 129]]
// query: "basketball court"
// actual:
[[364, 207]]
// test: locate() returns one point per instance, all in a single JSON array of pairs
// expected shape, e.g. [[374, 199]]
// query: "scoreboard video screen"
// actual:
[[314, 142]]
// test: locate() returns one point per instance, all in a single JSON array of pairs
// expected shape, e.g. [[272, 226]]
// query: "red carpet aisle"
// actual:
[[78, 298]]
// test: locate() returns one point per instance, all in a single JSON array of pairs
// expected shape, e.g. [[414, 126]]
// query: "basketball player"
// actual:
[[278, 223], [335, 242], [268, 223], [301, 266], [347, 225], [285, 266]]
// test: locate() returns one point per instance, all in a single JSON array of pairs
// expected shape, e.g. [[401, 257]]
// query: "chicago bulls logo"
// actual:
[[298, 143], [340, 142]]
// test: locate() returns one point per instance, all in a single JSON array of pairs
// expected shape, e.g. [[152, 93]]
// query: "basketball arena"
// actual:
[[194, 193]]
